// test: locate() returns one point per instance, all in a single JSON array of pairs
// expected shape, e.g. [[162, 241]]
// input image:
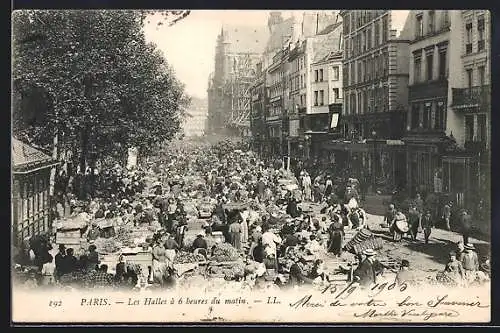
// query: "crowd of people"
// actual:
[[265, 212]]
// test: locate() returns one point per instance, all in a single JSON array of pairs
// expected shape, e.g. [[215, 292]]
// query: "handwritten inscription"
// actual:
[[423, 314]]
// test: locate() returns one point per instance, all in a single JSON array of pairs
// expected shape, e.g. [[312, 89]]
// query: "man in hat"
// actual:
[[470, 262], [427, 225], [367, 271], [413, 221], [199, 242], [465, 225]]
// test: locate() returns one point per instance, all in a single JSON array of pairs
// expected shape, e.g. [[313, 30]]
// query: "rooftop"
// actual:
[[24, 155], [281, 34], [325, 45]]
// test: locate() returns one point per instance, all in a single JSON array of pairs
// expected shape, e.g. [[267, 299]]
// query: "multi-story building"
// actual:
[[195, 122], [238, 50], [297, 98], [258, 127], [275, 108], [375, 84], [325, 87], [425, 137], [466, 170]]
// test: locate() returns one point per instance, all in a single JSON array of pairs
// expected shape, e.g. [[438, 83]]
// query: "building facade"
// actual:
[[324, 88], [466, 168], [195, 122], [258, 127], [31, 209], [425, 136], [375, 84]]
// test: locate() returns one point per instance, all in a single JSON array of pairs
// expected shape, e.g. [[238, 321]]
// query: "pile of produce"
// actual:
[[107, 245], [125, 236], [188, 258], [225, 252], [235, 271]]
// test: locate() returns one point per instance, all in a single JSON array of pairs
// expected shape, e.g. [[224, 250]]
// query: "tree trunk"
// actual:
[[83, 160], [53, 169]]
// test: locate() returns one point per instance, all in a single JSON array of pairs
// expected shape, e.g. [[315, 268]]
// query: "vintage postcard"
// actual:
[[327, 166]]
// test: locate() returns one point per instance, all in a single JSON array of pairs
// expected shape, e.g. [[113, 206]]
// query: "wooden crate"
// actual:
[[72, 237]]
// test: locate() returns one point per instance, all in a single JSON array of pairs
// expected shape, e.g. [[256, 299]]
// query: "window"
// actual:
[[316, 98], [468, 34], [481, 127], [427, 115], [469, 128], [417, 67], [432, 23], [360, 102], [442, 63], [345, 76], [364, 41], [420, 26], [321, 97], [365, 101], [480, 34], [481, 71], [335, 70], [377, 34], [335, 93], [429, 60], [321, 75], [358, 67], [316, 76], [369, 38], [439, 116], [469, 78], [385, 29], [364, 70], [352, 73]]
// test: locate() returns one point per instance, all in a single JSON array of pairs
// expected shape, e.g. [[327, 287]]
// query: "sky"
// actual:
[[189, 45]]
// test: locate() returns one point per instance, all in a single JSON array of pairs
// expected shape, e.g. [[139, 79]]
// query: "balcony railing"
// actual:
[[476, 98]]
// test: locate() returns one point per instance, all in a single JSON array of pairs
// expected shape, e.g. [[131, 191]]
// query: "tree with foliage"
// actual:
[[97, 84]]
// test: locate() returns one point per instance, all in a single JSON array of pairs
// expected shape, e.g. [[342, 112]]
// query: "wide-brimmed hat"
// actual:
[[469, 246], [369, 252]]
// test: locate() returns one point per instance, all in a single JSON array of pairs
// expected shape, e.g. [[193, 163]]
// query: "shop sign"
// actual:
[[394, 142]]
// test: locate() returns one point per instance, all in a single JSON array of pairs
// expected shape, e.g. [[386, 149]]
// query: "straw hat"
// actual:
[[369, 252], [469, 246]]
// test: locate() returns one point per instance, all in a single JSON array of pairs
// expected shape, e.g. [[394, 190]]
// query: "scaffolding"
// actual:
[[237, 92]]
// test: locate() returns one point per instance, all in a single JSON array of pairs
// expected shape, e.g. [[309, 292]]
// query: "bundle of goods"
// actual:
[[188, 258], [225, 252], [107, 245], [363, 240]]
